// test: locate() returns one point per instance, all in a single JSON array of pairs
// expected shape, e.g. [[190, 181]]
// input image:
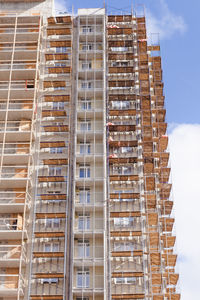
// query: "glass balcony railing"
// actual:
[[10, 197], [10, 252], [7, 224], [8, 284], [89, 198], [15, 126], [87, 224], [88, 282], [17, 105], [88, 252]]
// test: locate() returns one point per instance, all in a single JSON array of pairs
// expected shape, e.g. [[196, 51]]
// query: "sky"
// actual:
[[177, 22]]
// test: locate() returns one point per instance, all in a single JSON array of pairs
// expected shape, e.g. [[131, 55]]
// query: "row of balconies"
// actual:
[[54, 286]]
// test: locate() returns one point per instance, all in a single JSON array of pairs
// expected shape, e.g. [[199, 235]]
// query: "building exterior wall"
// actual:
[[85, 206]]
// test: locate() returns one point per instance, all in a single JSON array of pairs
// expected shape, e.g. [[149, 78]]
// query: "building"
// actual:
[[85, 205]]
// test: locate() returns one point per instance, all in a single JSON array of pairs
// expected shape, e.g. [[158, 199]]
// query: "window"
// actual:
[[85, 125], [52, 223], [49, 280], [86, 104], [83, 248], [125, 280], [87, 29], [84, 196], [126, 246], [60, 64], [51, 247], [121, 104], [56, 150], [83, 278], [58, 105], [122, 170], [84, 222], [86, 84], [86, 47], [55, 171], [85, 148], [121, 49], [86, 65], [84, 171], [126, 149], [120, 64], [123, 222], [61, 49]]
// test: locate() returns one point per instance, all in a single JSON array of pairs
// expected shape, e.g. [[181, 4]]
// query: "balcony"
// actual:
[[88, 226], [50, 225], [126, 224], [11, 228], [136, 286], [15, 153], [89, 152], [124, 205], [136, 264], [123, 152], [8, 285], [17, 176], [17, 108], [88, 253], [87, 174], [89, 200], [49, 286], [10, 255], [90, 127], [13, 201], [51, 206], [124, 170], [123, 136], [90, 283], [19, 71], [89, 107]]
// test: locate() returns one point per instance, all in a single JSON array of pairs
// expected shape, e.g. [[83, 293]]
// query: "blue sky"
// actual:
[[180, 48], [177, 21]]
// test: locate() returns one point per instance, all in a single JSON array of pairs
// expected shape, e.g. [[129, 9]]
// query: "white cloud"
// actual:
[[166, 24], [185, 161], [61, 6]]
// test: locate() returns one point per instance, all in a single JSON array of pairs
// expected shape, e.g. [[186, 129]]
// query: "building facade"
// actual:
[[85, 198]]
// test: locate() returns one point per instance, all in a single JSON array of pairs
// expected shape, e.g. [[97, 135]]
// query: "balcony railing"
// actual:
[[90, 282], [92, 198], [91, 30], [17, 151], [12, 126], [89, 252], [7, 224], [134, 225], [136, 287], [124, 170], [17, 172], [10, 283], [88, 126], [91, 224], [47, 286], [9, 197], [17, 105], [9, 252], [89, 149], [85, 105], [27, 66]]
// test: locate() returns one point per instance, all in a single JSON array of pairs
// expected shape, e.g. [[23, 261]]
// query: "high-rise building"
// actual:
[[85, 205]]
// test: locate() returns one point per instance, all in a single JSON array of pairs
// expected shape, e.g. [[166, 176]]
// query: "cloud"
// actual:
[[166, 23], [61, 6], [184, 144]]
